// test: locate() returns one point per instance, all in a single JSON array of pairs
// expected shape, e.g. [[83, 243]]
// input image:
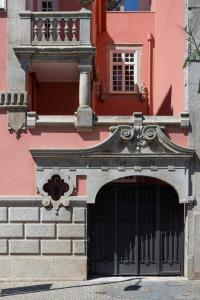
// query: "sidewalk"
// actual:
[[124, 288]]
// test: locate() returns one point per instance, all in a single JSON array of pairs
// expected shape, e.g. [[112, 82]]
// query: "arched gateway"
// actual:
[[136, 227]]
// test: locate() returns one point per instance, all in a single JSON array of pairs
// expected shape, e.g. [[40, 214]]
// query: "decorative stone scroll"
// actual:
[[141, 135]]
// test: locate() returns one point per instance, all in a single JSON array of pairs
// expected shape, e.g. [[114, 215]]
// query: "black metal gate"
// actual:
[[136, 229]]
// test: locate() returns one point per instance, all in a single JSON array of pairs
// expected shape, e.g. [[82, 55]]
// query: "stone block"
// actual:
[[3, 214], [71, 231], [11, 230], [3, 247], [56, 247], [84, 119], [24, 247], [79, 247], [193, 4], [48, 215], [34, 267], [24, 214], [40, 230], [79, 215]]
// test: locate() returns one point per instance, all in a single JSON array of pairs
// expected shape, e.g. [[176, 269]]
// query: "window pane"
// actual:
[[129, 57], [129, 78], [117, 78], [47, 5]]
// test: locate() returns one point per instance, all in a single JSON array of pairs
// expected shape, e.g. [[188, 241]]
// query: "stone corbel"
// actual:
[[138, 118], [31, 119], [143, 91], [189, 201], [185, 119], [16, 105]]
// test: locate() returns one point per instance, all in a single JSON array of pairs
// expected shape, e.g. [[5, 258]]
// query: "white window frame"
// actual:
[[55, 5], [2, 5], [136, 63]]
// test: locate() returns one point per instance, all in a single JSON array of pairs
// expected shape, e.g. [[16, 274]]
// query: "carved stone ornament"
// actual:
[[16, 104], [141, 135], [16, 120], [143, 91], [56, 191]]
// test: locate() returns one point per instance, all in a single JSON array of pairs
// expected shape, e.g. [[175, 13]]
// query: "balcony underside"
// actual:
[[55, 53]]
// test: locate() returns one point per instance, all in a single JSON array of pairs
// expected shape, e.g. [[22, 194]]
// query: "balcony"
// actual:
[[56, 28], [57, 34]]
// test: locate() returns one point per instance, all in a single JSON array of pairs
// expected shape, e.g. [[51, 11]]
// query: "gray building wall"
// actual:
[[193, 100], [16, 75]]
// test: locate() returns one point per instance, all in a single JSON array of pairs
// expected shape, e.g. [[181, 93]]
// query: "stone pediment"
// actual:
[[126, 141]]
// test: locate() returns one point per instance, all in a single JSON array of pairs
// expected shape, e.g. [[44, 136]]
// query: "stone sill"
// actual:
[[34, 120]]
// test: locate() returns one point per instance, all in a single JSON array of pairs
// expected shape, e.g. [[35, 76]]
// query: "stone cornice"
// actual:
[[181, 121]]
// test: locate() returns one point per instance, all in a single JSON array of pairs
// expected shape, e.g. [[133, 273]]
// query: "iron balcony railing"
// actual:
[[56, 28]]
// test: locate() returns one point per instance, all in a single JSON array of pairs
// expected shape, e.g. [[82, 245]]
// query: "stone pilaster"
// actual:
[[192, 242]]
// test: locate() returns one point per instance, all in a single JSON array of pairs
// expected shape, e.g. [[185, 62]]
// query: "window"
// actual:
[[47, 5], [123, 71]]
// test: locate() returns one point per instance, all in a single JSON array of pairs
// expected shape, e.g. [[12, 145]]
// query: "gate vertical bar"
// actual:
[[158, 229], [182, 242], [136, 229], [115, 232]]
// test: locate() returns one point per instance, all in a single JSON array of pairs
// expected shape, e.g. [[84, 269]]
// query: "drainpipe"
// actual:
[[150, 71]]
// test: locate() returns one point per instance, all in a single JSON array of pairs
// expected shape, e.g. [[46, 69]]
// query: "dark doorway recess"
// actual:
[[136, 229]]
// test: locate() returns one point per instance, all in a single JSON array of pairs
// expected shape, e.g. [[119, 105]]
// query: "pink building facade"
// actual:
[[94, 124]]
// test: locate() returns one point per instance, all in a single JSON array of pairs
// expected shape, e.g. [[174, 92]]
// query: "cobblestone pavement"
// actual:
[[124, 288]]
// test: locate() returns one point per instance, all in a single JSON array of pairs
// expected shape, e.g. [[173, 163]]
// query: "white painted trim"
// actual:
[[137, 62], [3, 5]]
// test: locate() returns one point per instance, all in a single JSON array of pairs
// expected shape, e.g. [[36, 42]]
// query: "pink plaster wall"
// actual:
[[170, 48], [17, 174], [3, 52], [123, 28]]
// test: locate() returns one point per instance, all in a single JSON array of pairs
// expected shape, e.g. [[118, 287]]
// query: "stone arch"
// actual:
[[141, 179], [174, 178]]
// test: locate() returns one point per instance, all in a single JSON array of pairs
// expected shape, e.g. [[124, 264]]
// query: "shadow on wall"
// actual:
[[166, 108], [106, 102], [95, 135]]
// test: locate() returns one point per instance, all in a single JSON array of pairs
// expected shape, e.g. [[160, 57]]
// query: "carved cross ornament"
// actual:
[[56, 191]]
